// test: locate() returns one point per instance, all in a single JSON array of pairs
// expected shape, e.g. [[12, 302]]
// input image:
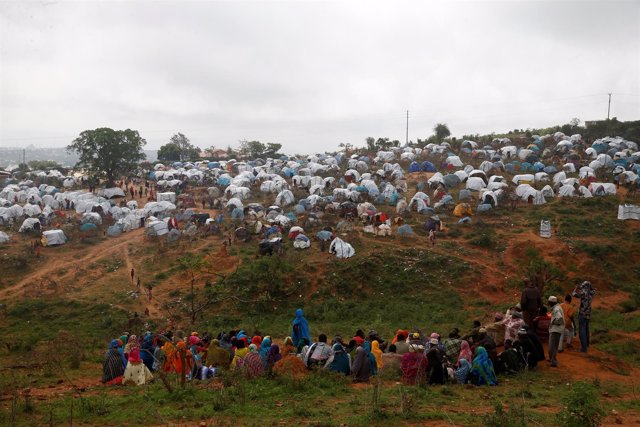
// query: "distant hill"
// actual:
[[14, 155]]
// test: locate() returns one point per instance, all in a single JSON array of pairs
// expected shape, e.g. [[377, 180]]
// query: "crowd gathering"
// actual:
[[471, 357]]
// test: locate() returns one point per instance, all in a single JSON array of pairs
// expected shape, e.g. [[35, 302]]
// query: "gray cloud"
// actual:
[[311, 74]]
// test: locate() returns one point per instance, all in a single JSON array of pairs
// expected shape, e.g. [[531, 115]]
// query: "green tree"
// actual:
[[442, 131], [255, 149], [178, 149], [371, 143], [109, 153], [169, 153]]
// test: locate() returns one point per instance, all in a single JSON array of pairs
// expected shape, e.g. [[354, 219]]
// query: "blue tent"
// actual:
[[88, 227], [237, 213], [451, 180], [526, 167], [324, 235], [600, 147], [223, 181], [550, 169], [405, 230], [213, 165], [427, 167], [538, 166], [288, 172], [299, 209], [414, 167]]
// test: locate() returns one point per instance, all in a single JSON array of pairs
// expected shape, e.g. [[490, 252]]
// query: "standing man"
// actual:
[[530, 302], [585, 292], [556, 330], [133, 274], [568, 310]]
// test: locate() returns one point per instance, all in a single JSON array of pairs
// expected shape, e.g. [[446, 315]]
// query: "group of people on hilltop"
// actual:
[[419, 358]]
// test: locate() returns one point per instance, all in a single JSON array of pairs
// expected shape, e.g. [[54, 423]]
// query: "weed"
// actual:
[[581, 407]]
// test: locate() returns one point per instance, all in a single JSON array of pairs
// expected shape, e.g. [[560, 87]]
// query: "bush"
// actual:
[[581, 407], [513, 417]]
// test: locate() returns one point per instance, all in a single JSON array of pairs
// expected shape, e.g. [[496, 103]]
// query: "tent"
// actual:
[[462, 209], [4, 237], [108, 193], [301, 242], [628, 212], [341, 249], [29, 224], [166, 197], [86, 227], [54, 237], [157, 228]]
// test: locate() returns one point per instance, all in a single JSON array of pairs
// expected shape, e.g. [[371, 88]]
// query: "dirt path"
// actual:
[[89, 254]]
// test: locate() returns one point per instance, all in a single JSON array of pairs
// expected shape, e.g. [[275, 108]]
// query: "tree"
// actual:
[[272, 149], [371, 143], [442, 131], [252, 149], [178, 149], [169, 153], [109, 153]]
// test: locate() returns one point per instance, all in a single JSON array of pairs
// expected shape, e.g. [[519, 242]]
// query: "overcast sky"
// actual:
[[311, 74]]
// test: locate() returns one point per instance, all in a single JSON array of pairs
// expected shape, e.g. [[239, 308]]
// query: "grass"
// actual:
[[322, 398]]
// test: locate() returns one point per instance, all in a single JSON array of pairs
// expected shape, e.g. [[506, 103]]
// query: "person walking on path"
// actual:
[[556, 330], [133, 274], [586, 293]]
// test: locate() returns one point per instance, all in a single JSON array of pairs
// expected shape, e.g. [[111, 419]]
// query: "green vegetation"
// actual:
[[581, 407]]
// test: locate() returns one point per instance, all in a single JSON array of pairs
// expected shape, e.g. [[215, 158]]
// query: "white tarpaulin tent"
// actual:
[[4, 237], [169, 196], [108, 193], [28, 225], [628, 212], [157, 228], [55, 237], [341, 249]]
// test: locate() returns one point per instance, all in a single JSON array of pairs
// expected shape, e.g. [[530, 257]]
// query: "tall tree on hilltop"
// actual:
[[109, 153], [178, 149], [442, 131]]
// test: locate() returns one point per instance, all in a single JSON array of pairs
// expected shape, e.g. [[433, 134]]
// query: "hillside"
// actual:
[[62, 309]]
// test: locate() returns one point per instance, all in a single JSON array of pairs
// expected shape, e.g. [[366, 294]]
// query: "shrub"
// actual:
[[581, 407]]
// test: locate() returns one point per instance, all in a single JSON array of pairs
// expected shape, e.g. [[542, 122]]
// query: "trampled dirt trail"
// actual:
[[70, 266]]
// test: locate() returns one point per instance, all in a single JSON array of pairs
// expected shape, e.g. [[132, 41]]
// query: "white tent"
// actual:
[[4, 237], [301, 242], [28, 225], [341, 249], [602, 189], [628, 212], [108, 193], [168, 196], [55, 237], [475, 184], [157, 228]]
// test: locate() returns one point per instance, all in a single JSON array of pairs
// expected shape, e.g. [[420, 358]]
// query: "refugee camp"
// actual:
[[196, 227]]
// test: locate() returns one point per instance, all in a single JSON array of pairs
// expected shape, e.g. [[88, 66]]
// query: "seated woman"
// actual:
[[361, 368], [482, 372], [253, 367], [463, 370], [114, 364], [136, 372], [340, 361], [414, 366]]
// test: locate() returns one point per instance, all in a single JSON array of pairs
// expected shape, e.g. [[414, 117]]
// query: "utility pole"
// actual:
[[407, 134], [609, 108], [24, 156]]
